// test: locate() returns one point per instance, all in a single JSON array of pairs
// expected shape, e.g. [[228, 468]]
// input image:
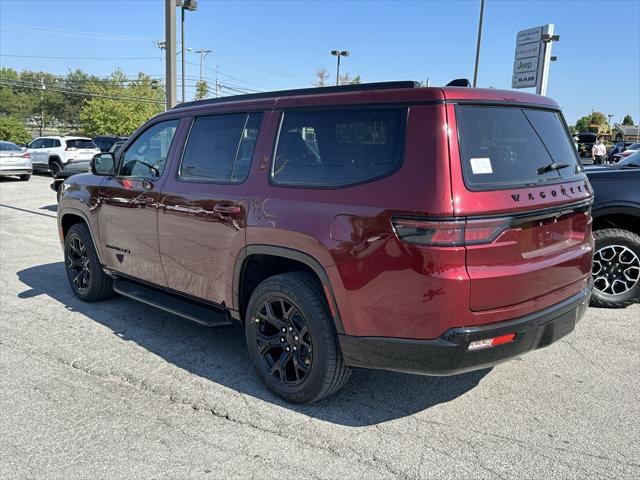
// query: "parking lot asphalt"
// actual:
[[120, 390]]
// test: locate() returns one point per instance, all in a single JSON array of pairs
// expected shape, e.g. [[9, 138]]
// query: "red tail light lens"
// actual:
[[26, 155], [449, 233], [424, 232]]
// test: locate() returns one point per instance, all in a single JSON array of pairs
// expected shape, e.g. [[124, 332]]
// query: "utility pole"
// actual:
[[475, 69], [170, 53], [203, 53]]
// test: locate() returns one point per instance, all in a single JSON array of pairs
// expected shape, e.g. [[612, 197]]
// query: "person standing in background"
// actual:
[[598, 152]]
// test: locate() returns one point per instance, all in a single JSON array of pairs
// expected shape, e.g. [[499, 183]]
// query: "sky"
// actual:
[[270, 45]]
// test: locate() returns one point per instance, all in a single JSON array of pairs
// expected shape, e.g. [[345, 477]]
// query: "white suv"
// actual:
[[54, 153]]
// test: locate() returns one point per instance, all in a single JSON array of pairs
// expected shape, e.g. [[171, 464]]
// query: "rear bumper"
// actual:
[[4, 171], [448, 354]]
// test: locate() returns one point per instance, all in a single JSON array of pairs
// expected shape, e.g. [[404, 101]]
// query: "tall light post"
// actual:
[[475, 68], [192, 6], [339, 53], [170, 53]]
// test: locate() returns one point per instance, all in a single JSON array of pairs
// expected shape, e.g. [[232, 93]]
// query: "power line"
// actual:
[[74, 33], [78, 58], [32, 86]]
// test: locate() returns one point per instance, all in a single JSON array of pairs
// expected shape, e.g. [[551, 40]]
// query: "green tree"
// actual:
[[347, 79], [590, 123], [13, 130], [119, 106], [627, 120], [202, 90]]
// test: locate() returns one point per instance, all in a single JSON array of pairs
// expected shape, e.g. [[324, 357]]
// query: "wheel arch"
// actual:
[[287, 258], [623, 217], [68, 217]]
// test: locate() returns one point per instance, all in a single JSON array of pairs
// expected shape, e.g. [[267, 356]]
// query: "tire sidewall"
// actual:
[[607, 237], [278, 287]]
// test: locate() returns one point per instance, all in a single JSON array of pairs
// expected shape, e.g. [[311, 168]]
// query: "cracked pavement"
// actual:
[[120, 390]]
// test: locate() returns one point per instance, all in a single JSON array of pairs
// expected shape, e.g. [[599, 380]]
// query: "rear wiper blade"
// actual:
[[551, 167]]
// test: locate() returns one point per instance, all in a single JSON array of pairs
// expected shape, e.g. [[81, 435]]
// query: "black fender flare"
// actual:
[[79, 213], [291, 254]]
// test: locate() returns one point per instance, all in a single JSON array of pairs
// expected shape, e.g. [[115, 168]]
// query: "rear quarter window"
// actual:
[[338, 148], [508, 147]]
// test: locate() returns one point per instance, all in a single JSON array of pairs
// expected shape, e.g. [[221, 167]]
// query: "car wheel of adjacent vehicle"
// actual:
[[84, 271], [616, 268], [25, 178], [291, 338], [55, 167]]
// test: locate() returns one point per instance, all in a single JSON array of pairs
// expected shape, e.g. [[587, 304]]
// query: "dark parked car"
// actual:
[[105, 142], [424, 230], [617, 149], [585, 143], [616, 226]]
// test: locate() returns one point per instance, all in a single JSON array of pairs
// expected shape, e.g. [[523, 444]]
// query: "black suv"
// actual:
[[616, 228]]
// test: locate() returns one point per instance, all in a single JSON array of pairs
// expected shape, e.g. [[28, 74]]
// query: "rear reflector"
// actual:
[[449, 233], [492, 342]]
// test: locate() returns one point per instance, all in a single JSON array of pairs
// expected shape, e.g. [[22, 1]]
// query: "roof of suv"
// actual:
[[65, 137], [382, 92]]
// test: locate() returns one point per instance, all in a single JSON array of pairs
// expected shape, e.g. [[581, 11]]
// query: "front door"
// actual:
[[128, 207], [202, 219]]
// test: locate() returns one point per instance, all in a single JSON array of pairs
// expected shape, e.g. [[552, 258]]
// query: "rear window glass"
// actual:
[[329, 149], [9, 147], [78, 143], [509, 147]]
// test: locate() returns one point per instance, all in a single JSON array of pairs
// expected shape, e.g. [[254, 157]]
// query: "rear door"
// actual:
[[203, 212], [526, 200]]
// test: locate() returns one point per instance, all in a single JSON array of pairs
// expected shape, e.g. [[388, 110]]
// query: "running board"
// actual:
[[208, 316]]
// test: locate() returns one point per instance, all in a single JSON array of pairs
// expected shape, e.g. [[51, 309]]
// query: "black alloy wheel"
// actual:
[[291, 338], [54, 168], [283, 341], [78, 265]]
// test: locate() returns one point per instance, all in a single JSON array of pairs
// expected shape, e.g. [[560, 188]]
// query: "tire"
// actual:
[[80, 256], [25, 177], [298, 302], [616, 268], [54, 167]]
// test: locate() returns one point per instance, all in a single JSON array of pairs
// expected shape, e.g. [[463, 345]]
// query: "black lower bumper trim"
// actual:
[[449, 354]]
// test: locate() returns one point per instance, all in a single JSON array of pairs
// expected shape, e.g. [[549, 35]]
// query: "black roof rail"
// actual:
[[359, 87], [459, 82]]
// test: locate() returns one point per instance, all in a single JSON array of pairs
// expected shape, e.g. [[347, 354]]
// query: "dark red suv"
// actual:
[[426, 230]]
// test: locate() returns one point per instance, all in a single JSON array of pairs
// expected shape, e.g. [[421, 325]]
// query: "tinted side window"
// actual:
[[47, 143], [147, 155], [37, 143], [56, 143], [339, 147], [220, 147]]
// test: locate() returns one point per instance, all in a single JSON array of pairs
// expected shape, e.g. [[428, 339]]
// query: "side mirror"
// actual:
[[103, 164]]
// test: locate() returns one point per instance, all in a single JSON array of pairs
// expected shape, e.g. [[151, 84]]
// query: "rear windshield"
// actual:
[[9, 147], [79, 143], [507, 147]]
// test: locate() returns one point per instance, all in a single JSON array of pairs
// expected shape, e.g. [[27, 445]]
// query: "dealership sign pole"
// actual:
[[533, 57]]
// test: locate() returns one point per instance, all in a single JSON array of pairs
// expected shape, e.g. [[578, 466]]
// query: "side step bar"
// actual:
[[199, 313]]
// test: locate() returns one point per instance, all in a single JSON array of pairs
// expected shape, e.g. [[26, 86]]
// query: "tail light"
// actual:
[[26, 155], [449, 233], [626, 153]]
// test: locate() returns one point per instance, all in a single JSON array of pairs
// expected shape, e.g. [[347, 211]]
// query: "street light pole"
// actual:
[[475, 68], [339, 53], [170, 53], [192, 6]]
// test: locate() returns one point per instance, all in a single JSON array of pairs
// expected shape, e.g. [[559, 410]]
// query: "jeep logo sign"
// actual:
[[525, 65]]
